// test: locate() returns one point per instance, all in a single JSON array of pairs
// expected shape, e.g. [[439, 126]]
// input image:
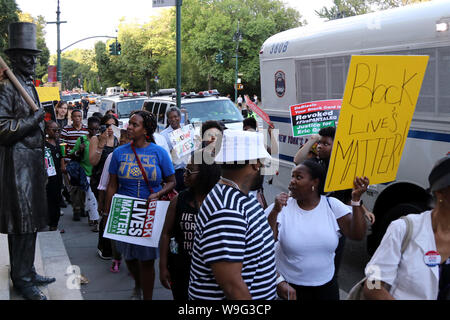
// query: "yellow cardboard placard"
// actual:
[[377, 108], [48, 93]]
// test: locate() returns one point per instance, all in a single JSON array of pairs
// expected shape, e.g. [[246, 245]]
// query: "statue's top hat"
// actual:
[[22, 36]]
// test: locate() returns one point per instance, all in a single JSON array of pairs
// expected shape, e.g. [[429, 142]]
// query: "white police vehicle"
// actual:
[[123, 105], [196, 107]]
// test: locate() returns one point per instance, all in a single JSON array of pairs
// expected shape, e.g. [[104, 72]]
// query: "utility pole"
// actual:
[[178, 41], [58, 22], [237, 37]]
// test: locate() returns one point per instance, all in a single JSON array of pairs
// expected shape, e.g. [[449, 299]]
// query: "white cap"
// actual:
[[238, 145]]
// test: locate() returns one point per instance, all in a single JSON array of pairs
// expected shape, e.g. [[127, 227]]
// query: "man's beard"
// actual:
[[257, 182]]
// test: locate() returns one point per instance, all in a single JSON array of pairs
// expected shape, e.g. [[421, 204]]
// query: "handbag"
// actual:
[[357, 292], [168, 196]]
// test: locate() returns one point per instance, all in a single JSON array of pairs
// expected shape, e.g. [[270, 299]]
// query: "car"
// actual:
[[198, 107], [123, 105], [92, 98]]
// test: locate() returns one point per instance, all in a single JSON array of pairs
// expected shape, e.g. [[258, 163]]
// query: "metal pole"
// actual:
[[178, 41], [236, 73], [59, 74]]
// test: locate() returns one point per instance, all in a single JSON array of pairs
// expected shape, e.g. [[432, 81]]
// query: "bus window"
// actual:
[[319, 79], [444, 80], [427, 97]]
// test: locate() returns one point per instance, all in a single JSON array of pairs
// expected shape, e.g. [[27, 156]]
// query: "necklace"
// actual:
[[233, 184]]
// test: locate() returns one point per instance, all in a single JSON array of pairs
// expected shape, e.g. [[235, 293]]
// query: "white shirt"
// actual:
[[161, 141], [410, 278], [307, 241]]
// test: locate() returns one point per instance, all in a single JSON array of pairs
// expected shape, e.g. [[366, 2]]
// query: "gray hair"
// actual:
[[173, 109]]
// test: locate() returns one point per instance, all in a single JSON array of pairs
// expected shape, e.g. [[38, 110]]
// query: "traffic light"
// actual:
[[219, 58], [112, 48], [118, 48]]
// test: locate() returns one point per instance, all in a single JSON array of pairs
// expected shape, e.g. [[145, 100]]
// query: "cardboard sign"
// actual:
[[258, 110], [308, 118], [131, 221], [48, 93], [377, 108], [182, 140]]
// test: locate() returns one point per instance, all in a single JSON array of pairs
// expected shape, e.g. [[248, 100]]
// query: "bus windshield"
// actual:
[[124, 108], [222, 110]]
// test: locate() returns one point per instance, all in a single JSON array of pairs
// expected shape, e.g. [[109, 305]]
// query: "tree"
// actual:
[[44, 56], [208, 27], [347, 8], [9, 10]]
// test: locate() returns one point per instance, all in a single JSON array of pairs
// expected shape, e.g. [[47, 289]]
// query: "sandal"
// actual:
[[83, 279], [115, 266]]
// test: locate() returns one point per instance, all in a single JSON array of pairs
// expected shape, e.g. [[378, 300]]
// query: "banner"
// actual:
[[182, 140], [377, 108], [131, 221], [258, 110], [308, 118], [48, 93], [52, 73]]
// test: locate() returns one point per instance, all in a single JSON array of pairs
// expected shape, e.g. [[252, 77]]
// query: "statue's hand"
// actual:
[[39, 115]]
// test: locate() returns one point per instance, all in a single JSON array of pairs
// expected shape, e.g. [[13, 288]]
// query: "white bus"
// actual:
[[311, 63]]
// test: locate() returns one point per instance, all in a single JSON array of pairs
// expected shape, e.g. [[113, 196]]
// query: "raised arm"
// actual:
[[354, 226], [302, 153]]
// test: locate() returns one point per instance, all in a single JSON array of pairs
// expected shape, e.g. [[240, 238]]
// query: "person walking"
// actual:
[[177, 237], [306, 225], [126, 178], [55, 166], [107, 247], [85, 106], [422, 271], [173, 115], [233, 254], [23, 205], [81, 150], [70, 135]]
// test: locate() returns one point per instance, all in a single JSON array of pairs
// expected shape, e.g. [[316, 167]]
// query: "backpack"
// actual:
[[357, 292]]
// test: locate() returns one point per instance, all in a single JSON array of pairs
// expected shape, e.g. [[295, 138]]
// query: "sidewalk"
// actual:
[[81, 247]]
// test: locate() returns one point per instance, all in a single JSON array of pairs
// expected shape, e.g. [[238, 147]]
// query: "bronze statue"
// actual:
[[23, 209]]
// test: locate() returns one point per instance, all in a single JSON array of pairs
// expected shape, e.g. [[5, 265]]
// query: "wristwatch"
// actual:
[[356, 203]]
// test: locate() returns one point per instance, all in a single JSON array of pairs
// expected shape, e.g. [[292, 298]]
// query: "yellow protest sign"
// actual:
[[377, 108], [48, 93]]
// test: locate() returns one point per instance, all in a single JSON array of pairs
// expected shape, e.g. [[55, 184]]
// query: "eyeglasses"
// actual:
[[189, 172], [55, 129]]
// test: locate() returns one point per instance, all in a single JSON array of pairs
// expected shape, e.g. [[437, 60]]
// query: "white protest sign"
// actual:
[[131, 221], [182, 140]]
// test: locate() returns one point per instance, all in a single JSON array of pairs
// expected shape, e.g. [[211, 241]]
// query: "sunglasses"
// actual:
[[55, 129], [189, 172]]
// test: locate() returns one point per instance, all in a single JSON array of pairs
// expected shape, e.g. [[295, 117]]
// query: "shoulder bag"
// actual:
[[357, 292], [167, 197]]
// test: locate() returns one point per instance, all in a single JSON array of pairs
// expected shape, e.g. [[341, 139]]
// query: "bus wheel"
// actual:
[[394, 213]]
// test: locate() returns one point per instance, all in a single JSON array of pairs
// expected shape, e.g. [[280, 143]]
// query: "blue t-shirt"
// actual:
[[157, 165]]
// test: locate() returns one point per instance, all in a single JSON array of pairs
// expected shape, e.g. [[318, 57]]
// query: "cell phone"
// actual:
[[102, 128]]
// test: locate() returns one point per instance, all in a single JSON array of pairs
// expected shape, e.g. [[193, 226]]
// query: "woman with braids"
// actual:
[[126, 178], [175, 264]]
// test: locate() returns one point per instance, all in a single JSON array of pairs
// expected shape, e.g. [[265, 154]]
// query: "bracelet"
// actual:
[[280, 279], [99, 152]]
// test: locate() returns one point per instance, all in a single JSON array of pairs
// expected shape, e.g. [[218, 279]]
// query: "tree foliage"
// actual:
[[348, 8], [8, 14]]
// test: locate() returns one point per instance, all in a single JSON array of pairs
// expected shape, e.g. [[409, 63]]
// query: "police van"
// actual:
[[123, 105], [311, 63], [196, 108]]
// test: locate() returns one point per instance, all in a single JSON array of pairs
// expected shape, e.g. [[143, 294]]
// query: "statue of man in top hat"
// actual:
[[23, 209]]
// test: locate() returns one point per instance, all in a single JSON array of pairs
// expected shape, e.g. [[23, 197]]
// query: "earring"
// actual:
[[312, 188], [46, 135]]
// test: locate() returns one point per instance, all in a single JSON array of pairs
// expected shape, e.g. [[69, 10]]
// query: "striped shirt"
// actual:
[[232, 227], [70, 135]]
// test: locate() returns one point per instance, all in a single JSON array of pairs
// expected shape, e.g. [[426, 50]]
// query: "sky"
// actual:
[[86, 18]]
